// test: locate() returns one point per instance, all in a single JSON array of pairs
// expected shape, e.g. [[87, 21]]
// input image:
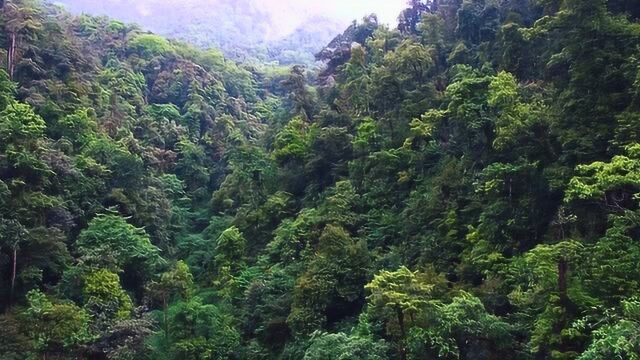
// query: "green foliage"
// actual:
[[176, 282], [292, 143], [230, 247], [195, 207], [198, 331], [104, 297], [401, 289], [341, 346], [7, 90], [618, 338], [20, 125], [79, 127], [459, 329], [149, 45], [336, 274], [613, 183], [54, 326], [111, 242]]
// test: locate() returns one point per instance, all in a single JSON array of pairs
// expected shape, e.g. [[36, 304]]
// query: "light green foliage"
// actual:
[[448, 323], [149, 45], [339, 205], [548, 286], [7, 90], [468, 94], [79, 127], [291, 239], [230, 261], [230, 247], [118, 166], [613, 183], [357, 83], [104, 297], [402, 290], [191, 165], [515, 118], [366, 137], [123, 92], [611, 260], [540, 267], [20, 125], [410, 61], [292, 143]]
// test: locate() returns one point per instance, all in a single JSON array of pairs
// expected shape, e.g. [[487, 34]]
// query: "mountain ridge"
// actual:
[[242, 30]]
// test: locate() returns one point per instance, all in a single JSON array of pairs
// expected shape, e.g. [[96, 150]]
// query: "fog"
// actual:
[[285, 15]]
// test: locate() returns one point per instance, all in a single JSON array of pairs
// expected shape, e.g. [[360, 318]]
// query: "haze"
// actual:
[[286, 15]]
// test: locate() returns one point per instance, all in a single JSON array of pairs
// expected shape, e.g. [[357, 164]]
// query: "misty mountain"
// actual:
[[242, 29]]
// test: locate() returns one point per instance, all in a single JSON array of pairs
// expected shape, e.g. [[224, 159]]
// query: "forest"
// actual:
[[464, 185]]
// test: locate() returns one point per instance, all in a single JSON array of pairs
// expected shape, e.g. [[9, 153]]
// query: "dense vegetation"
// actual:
[[466, 186]]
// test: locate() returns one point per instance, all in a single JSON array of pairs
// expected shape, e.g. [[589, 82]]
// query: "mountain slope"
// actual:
[[463, 186]]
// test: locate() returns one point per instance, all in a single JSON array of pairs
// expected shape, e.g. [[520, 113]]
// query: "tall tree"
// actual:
[[22, 20]]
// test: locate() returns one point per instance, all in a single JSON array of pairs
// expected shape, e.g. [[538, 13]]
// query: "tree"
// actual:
[[104, 298], [7, 90], [614, 184], [410, 17], [340, 346], [618, 337], [594, 43], [177, 282], [111, 242], [357, 83], [301, 96], [331, 287], [549, 284], [460, 329], [200, 331], [22, 21], [13, 234], [398, 294], [292, 143], [149, 45], [23, 167], [54, 328], [229, 260]]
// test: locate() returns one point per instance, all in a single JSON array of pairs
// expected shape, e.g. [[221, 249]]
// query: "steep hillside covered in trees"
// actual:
[[465, 186]]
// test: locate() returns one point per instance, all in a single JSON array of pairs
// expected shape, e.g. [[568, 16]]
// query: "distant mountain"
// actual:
[[242, 29]]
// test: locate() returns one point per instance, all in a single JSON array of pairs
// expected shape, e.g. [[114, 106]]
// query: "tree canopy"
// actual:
[[465, 185]]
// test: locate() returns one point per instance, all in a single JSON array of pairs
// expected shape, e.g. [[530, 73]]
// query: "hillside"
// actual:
[[465, 185]]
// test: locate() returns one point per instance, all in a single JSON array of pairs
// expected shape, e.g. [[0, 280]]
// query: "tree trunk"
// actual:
[[11, 56], [14, 262], [401, 348], [563, 268], [165, 316]]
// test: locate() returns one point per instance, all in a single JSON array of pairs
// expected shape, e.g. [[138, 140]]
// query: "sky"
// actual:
[[290, 14], [345, 10]]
